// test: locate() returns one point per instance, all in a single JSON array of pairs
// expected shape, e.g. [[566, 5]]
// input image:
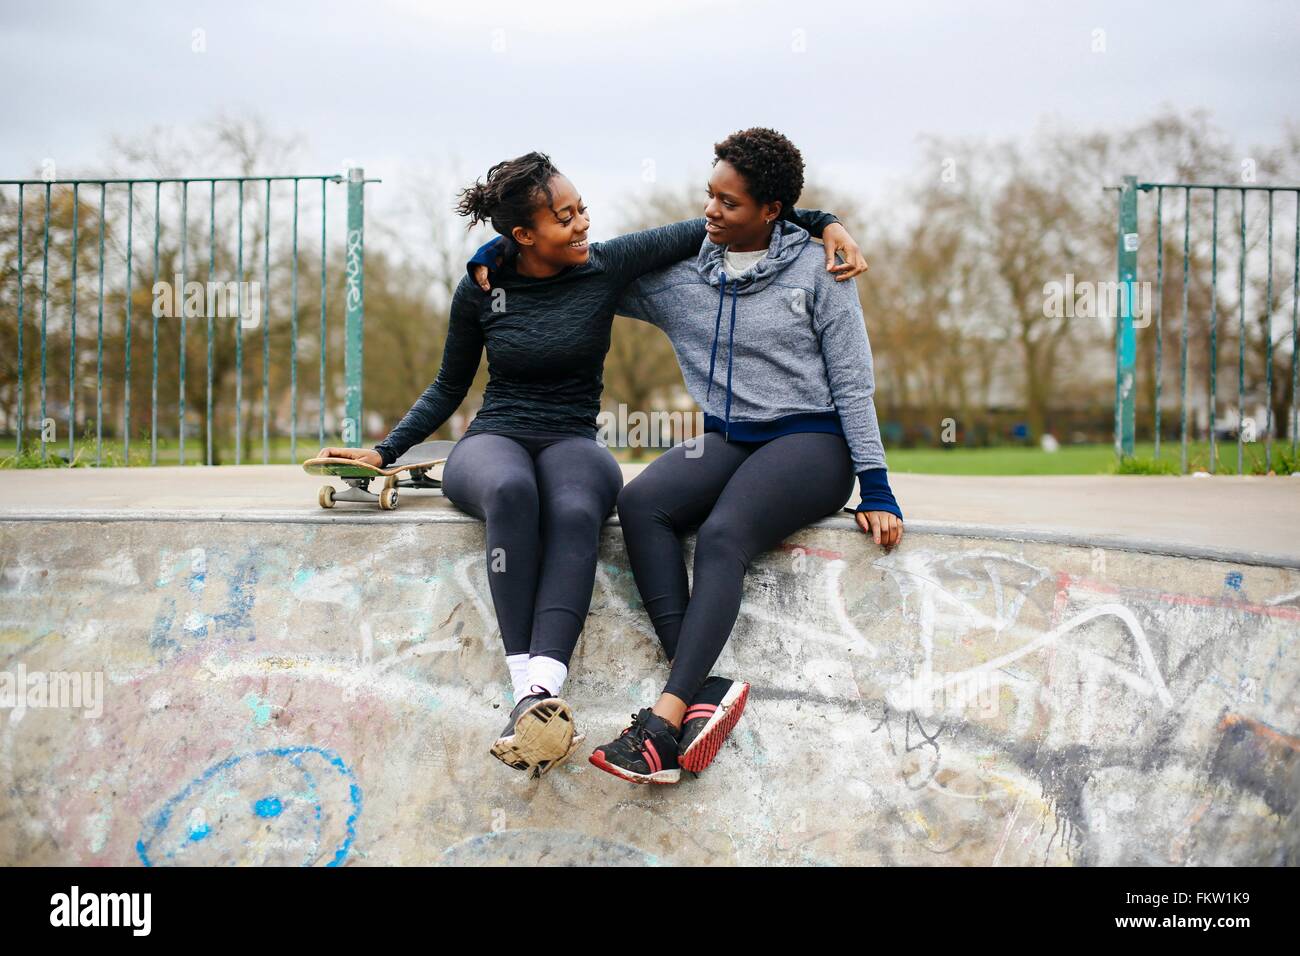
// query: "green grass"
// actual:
[[168, 452], [1094, 459]]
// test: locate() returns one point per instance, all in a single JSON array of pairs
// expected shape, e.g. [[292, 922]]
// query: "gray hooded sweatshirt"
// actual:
[[781, 349]]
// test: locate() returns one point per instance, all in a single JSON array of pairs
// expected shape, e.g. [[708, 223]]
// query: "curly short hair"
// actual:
[[771, 165]]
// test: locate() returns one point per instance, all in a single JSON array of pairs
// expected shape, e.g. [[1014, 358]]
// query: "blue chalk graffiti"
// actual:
[[313, 789], [235, 620]]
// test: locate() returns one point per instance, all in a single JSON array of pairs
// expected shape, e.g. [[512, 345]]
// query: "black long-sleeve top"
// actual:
[[546, 339]]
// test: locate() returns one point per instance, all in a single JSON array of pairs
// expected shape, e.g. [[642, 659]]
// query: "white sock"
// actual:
[[547, 672], [518, 664]]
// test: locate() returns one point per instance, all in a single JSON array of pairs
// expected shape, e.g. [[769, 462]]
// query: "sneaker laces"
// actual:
[[638, 729]]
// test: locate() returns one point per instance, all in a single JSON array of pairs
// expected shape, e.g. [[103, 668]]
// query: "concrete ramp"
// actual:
[[322, 689]]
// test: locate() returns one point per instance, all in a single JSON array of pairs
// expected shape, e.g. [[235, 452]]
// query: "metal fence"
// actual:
[[174, 297], [1128, 244], [56, 319]]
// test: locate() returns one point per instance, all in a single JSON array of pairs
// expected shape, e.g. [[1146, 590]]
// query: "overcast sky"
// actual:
[[606, 86]]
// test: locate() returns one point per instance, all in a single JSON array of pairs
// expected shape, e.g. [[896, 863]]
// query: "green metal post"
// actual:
[[293, 339], [44, 303], [1241, 340], [355, 301], [1160, 310], [72, 338], [1125, 340], [264, 309], [22, 383], [1295, 329], [320, 426], [130, 278], [185, 268], [153, 412], [212, 268], [99, 340], [239, 333], [1268, 348], [1214, 327], [1182, 361]]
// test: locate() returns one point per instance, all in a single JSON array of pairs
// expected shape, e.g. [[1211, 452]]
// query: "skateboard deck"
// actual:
[[418, 461]]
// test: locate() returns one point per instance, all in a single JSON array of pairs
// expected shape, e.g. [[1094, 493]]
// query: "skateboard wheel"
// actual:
[[326, 496], [388, 499]]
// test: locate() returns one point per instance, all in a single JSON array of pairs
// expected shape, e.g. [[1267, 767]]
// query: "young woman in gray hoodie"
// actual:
[[784, 375]]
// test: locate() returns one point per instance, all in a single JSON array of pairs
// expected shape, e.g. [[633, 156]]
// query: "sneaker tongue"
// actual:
[[640, 721], [654, 723]]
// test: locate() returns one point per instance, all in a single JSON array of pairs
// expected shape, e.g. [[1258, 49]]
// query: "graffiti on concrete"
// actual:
[[955, 700], [284, 806]]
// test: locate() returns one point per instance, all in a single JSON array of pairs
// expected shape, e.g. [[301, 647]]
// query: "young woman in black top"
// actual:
[[529, 464]]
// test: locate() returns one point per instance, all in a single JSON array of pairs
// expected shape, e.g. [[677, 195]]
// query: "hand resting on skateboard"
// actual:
[[367, 456]]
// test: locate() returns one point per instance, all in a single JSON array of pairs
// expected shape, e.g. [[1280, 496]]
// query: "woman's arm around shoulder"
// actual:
[[637, 253]]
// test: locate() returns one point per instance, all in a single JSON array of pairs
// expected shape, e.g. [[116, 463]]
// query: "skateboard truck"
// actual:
[[358, 489]]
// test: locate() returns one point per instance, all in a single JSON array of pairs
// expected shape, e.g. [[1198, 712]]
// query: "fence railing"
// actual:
[[1128, 244], [175, 295], [54, 226]]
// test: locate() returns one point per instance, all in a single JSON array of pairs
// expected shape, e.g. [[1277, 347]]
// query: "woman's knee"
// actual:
[[640, 505], [576, 511], [514, 492], [724, 535], [634, 501]]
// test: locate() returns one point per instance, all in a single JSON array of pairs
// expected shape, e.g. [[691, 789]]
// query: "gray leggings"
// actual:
[[544, 498], [745, 498]]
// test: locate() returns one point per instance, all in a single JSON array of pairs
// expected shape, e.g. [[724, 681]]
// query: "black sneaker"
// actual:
[[539, 734], [644, 753], [712, 713]]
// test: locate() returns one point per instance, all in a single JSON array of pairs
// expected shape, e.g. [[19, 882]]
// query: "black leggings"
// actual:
[[745, 498], [544, 499]]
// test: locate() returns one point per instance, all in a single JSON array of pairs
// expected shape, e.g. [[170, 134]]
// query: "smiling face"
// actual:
[[558, 237], [735, 218]]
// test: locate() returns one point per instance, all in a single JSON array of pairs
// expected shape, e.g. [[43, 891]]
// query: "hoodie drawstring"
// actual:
[[731, 349], [717, 326]]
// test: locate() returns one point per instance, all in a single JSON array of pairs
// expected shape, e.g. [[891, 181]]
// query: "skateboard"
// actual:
[[418, 460]]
